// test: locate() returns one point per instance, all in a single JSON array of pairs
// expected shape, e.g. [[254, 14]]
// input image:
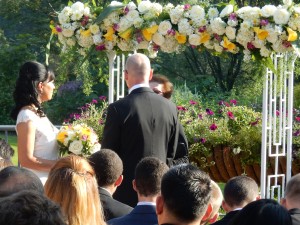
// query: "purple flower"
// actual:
[[171, 32], [264, 22], [297, 133], [209, 112], [250, 46], [230, 115], [76, 116], [101, 122], [232, 16], [200, 116], [196, 140], [192, 102], [94, 101], [202, 140], [213, 127], [181, 108], [254, 123], [102, 98], [286, 44], [126, 10], [186, 6], [116, 26], [217, 37], [233, 101], [277, 113], [58, 29], [100, 47], [156, 47], [221, 102], [202, 29]]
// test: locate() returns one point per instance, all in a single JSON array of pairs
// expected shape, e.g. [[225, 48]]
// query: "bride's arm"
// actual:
[[26, 139]]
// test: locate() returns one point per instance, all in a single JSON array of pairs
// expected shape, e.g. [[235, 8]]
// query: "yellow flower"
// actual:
[[292, 34], [54, 31], [61, 136], [228, 45], [86, 33], [109, 35], [148, 32], [126, 34], [181, 38], [261, 34], [204, 37]]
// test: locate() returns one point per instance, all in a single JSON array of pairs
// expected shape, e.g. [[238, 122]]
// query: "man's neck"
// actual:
[[142, 198], [111, 189]]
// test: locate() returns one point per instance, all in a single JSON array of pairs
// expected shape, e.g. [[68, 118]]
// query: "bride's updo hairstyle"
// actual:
[[72, 184], [26, 93]]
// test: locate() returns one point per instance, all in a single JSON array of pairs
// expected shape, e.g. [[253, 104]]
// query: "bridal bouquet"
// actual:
[[78, 139]]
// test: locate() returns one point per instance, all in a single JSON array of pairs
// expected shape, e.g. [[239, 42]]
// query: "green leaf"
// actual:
[[48, 50], [105, 13]]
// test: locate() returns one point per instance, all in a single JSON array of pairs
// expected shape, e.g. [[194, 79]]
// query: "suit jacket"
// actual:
[[295, 215], [111, 207], [141, 124], [227, 218], [140, 215]]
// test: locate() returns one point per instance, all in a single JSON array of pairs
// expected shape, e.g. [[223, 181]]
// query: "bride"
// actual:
[[37, 146]]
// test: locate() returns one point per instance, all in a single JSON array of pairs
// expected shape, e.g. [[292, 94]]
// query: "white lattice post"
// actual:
[[277, 124], [111, 59]]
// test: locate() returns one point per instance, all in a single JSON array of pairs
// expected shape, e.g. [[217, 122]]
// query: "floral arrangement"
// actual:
[[78, 139], [237, 127], [150, 27]]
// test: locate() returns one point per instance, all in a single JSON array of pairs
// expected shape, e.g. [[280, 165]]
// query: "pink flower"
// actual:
[[277, 113], [250, 46], [102, 98], [297, 118], [181, 108], [213, 127], [233, 101], [58, 29], [202, 140], [192, 102], [156, 47], [230, 115], [126, 10], [232, 16], [221, 102], [116, 26], [264, 22], [200, 116], [94, 101], [100, 47], [217, 37], [209, 112], [171, 32], [202, 29], [286, 44], [297, 133], [187, 7]]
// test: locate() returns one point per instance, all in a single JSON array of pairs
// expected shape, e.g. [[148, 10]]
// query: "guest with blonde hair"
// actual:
[[72, 184]]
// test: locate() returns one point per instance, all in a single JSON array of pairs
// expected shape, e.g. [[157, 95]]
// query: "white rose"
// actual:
[[265, 52], [97, 38], [184, 27], [156, 8], [68, 32], [245, 25], [116, 3], [230, 32], [297, 10], [281, 16], [94, 29], [131, 6], [125, 45], [143, 45], [77, 15], [71, 42], [124, 24], [63, 18], [164, 26], [232, 23], [213, 13], [95, 148], [218, 47], [132, 15], [152, 53], [158, 39], [85, 41], [77, 6], [86, 11], [144, 6], [258, 43], [194, 39], [138, 22], [168, 7], [196, 12], [76, 147], [170, 45], [226, 11], [218, 26], [268, 10], [287, 2], [176, 13]]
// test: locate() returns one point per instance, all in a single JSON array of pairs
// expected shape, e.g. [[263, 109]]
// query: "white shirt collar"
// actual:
[[147, 203], [137, 86]]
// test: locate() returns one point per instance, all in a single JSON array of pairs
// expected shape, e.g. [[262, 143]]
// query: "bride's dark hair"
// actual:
[[31, 73]]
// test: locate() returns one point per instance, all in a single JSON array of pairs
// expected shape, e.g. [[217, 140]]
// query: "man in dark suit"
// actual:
[[238, 192], [292, 199], [109, 168], [139, 125], [148, 174]]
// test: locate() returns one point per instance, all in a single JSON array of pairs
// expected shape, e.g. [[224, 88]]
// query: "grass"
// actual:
[[12, 141]]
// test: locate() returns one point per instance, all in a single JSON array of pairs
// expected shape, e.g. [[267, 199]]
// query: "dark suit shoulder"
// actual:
[[227, 218]]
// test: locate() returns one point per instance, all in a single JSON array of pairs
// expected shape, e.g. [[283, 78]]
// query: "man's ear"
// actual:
[[134, 185], [151, 74], [214, 218], [208, 212], [159, 205], [225, 206], [119, 181]]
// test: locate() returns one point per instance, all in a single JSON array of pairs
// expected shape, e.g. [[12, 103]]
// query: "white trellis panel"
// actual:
[[277, 124]]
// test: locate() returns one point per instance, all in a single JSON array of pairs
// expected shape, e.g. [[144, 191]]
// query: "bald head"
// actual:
[[292, 192], [138, 69]]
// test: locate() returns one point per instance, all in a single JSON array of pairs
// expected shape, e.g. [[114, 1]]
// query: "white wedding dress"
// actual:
[[45, 145]]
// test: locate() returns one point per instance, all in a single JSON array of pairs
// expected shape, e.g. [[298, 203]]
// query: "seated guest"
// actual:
[[29, 208], [146, 183], [14, 179], [238, 192], [6, 152], [215, 202], [262, 212], [185, 196], [109, 168], [292, 199], [72, 184]]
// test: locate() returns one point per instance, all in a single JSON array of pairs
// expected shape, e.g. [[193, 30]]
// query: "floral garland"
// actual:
[[255, 32]]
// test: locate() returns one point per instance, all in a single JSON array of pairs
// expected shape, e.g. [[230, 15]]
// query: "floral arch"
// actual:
[[268, 34]]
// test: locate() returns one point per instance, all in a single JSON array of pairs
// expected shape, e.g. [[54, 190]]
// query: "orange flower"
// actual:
[[148, 32], [228, 45], [261, 34], [109, 35], [292, 34], [126, 34], [181, 38], [204, 37]]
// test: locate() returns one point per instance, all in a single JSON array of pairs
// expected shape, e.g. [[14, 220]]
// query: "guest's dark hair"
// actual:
[[262, 212], [30, 75], [240, 190], [6, 152], [107, 165], [186, 192], [167, 85], [14, 179], [30, 208], [148, 175]]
